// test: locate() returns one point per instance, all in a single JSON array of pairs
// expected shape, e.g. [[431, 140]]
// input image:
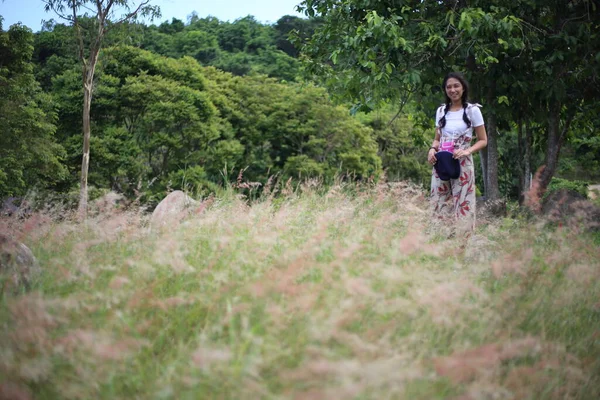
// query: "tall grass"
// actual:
[[335, 295]]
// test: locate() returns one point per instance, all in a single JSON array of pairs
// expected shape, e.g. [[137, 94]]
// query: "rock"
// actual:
[[9, 207], [572, 209], [490, 208], [107, 203], [15, 207], [18, 266], [593, 192], [560, 201], [173, 209]]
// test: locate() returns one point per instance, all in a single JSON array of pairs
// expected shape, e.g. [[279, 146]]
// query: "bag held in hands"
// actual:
[[447, 166]]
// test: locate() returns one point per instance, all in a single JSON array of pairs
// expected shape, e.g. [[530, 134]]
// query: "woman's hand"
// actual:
[[462, 153], [431, 156]]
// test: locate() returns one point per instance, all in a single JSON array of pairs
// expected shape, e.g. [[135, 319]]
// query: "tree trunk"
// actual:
[[492, 190], [528, 147], [525, 144], [88, 86], [521, 162], [556, 137], [483, 162]]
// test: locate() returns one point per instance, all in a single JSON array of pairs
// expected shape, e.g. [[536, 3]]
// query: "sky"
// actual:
[[31, 12]]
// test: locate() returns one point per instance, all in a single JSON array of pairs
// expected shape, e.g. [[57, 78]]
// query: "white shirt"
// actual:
[[455, 125]]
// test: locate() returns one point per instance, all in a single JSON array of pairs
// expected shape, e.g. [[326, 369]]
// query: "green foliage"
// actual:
[[276, 122], [163, 123], [158, 116], [583, 149], [29, 154], [300, 29], [530, 62], [580, 187], [401, 146], [151, 114], [302, 167], [369, 51], [240, 47], [197, 44], [118, 161]]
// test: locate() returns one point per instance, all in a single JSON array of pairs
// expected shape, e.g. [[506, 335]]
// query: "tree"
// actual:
[[534, 61], [90, 35], [565, 58], [376, 53], [400, 146], [171, 123], [198, 44], [241, 47], [29, 154], [301, 28], [292, 129], [154, 121]]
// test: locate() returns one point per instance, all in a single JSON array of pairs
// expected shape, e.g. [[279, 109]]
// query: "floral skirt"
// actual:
[[453, 201]]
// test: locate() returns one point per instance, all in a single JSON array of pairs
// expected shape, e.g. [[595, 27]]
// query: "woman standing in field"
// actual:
[[451, 154]]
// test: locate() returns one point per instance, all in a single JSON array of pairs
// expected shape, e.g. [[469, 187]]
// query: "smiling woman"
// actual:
[[31, 12], [451, 154]]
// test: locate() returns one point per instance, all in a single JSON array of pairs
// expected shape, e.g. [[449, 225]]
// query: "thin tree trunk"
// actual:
[[88, 86], [524, 147], [527, 161], [521, 161], [492, 190], [525, 143], [85, 161], [556, 137], [483, 162], [552, 151], [103, 11]]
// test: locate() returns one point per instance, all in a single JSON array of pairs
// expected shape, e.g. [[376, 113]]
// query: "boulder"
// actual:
[[572, 209], [490, 208], [15, 207], [107, 203], [173, 209], [9, 206], [593, 192], [18, 266]]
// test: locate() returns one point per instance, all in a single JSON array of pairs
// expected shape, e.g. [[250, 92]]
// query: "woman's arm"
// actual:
[[480, 144], [435, 146]]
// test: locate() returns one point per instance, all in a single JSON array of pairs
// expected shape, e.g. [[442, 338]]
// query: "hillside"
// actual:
[[340, 293]]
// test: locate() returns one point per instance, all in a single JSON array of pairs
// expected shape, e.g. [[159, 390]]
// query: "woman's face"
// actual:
[[454, 89]]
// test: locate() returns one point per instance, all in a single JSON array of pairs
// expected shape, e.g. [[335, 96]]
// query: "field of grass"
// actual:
[[337, 294]]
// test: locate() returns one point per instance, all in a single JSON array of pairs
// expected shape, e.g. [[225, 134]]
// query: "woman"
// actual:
[[453, 195]]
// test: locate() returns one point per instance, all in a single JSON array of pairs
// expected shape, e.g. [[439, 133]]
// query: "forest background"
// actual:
[[348, 92]]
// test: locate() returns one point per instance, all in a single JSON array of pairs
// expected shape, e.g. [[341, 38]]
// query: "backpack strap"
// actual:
[[470, 107], [440, 112]]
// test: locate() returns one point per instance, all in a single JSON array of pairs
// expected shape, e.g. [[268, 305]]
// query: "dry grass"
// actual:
[[337, 295]]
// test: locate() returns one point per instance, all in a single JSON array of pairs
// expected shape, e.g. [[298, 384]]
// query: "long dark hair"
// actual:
[[458, 76]]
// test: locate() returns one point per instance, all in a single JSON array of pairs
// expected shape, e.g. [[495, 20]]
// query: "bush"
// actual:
[[574, 185]]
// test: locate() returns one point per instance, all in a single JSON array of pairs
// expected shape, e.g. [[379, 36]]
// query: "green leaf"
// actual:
[[451, 16], [503, 100], [465, 21], [334, 56]]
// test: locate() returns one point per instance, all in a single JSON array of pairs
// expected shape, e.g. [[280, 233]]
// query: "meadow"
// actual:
[[338, 293]]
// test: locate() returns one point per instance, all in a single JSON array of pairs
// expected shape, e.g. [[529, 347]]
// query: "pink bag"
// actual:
[[447, 146]]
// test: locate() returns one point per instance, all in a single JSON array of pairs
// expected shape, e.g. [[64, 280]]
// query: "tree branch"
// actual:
[[79, 35], [565, 129], [131, 14], [402, 104]]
